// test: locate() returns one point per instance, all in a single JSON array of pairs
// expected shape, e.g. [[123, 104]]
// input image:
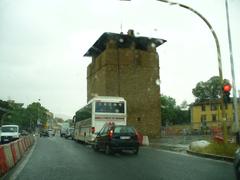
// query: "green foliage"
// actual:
[[4, 107], [26, 118], [210, 89], [36, 111], [219, 149], [173, 114]]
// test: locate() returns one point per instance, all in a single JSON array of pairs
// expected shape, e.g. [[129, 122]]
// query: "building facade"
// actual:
[[128, 66], [209, 114]]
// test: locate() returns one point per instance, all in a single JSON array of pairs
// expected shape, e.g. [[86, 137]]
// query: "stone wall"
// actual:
[[132, 74]]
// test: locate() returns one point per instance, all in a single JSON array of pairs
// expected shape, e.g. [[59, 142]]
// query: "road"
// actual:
[[57, 158]]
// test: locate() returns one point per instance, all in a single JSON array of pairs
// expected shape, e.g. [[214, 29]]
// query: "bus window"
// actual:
[[110, 107]]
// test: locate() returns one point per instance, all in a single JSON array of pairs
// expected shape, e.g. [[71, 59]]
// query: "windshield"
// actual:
[[168, 70], [9, 129], [109, 107], [123, 129]]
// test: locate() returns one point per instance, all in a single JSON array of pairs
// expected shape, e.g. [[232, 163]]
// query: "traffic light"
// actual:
[[226, 93]]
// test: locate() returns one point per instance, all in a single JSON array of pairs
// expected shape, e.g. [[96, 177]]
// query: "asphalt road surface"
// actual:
[[56, 158]]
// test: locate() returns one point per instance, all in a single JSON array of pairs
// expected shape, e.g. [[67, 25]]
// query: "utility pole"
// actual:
[[218, 56], [235, 105]]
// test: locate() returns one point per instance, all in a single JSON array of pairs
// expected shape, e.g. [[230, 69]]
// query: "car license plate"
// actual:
[[125, 137]]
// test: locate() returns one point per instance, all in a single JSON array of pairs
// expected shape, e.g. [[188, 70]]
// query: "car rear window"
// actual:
[[124, 129]]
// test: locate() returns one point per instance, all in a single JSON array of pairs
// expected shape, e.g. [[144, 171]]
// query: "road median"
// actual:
[[212, 156]]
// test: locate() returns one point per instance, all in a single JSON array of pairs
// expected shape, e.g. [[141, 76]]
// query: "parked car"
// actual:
[[115, 138], [237, 164], [24, 133], [9, 133], [51, 132], [69, 133], [44, 132]]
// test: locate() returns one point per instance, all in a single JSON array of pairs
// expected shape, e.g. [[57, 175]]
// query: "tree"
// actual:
[[171, 113], [211, 89], [26, 118], [4, 109], [37, 112], [184, 105]]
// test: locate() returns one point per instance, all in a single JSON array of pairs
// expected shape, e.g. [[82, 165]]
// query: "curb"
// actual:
[[212, 156], [169, 146]]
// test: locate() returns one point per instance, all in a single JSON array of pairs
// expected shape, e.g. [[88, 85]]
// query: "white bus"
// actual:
[[100, 110]]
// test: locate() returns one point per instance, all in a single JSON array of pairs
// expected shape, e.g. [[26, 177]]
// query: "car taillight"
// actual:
[[110, 134], [93, 130]]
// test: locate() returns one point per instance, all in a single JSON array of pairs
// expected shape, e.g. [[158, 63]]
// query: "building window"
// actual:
[[203, 108], [214, 118], [213, 107]]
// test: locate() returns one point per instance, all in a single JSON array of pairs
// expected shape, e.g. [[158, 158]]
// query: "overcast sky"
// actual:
[[42, 43]]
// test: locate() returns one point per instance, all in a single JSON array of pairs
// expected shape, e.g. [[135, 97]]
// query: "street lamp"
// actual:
[[218, 54], [235, 106]]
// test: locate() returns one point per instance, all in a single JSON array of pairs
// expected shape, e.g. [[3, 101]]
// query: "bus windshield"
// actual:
[[110, 107]]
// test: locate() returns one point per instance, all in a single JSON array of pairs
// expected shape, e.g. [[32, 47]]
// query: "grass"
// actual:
[[218, 149]]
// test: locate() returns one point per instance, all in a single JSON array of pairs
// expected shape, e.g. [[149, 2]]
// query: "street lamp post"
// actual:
[[218, 55], [235, 106]]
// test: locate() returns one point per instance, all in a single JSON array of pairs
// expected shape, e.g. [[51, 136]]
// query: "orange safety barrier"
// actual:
[[14, 153], [218, 139], [20, 146], [24, 145], [29, 140], [8, 155], [17, 151], [18, 154], [3, 162]]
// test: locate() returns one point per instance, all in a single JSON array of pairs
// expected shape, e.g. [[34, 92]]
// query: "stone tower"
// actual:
[[128, 66]]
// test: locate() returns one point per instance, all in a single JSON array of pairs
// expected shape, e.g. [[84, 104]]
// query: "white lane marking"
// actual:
[[189, 155], [23, 164]]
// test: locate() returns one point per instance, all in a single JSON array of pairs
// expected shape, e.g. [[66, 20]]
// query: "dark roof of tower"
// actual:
[[123, 41]]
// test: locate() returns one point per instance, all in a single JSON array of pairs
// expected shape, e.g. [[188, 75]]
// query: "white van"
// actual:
[[9, 133]]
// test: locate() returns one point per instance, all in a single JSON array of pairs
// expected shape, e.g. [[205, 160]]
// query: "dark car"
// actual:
[[24, 133], [44, 132], [237, 164], [116, 138]]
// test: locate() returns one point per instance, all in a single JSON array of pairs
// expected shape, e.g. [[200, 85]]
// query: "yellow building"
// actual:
[[209, 114]]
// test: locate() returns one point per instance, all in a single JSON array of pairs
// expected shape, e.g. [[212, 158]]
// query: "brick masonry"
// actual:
[[130, 73]]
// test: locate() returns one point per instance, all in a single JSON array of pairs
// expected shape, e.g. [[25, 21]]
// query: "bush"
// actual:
[[219, 149]]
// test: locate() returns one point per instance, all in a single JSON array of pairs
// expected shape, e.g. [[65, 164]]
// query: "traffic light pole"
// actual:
[[219, 59], [235, 106]]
